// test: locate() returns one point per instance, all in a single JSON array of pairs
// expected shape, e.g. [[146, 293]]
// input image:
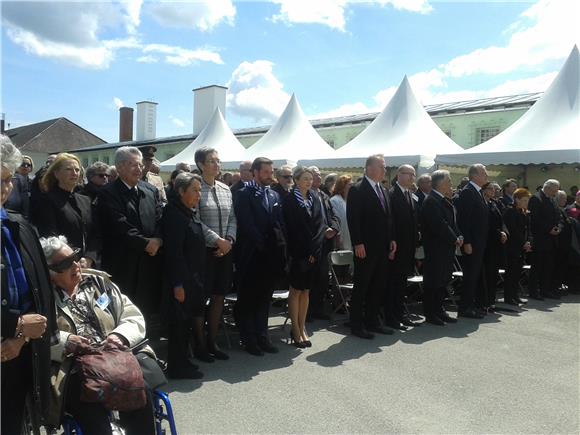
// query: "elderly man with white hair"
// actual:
[[545, 229]]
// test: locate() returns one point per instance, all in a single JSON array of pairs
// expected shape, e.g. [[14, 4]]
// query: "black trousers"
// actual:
[[93, 418], [473, 280], [180, 331], [320, 287], [433, 298], [394, 304], [487, 293], [369, 287], [16, 383], [513, 272], [541, 274]]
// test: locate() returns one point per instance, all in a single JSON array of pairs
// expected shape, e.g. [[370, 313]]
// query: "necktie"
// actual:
[[381, 197], [409, 200]]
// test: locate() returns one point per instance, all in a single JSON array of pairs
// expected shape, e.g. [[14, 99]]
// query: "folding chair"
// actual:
[[282, 295], [340, 291]]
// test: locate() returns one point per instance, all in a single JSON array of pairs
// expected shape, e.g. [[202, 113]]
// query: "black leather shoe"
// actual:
[[536, 297], [381, 330], [253, 349], [447, 318], [513, 302], [186, 372], [521, 301], [550, 295], [203, 355], [470, 314], [362, 333], [398, 326], [409, 323], [218, 354], [267, 347], [435, 321]]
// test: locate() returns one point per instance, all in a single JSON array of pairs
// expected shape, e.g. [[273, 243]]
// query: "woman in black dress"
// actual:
[[63, 211], [517, 221], [305, 230], [185, 268]]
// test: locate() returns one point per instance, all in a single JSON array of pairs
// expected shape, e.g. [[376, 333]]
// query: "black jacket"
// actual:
[[305, 232], [495, 227], [406, 230], [439, 232], [473, 218], [517, 223], [36, 270], [71, 215], [368, 222], [544, 216]]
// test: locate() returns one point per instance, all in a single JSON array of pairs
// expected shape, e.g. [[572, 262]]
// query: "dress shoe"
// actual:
[[481, 311], [307, 343], [550, 295], [203, 355], [397, 325], [513, 302], [435, 321], [470, 314], [408, 322], [362, 333], [536, 297], [253, 349], [267, 346], [380, 330], [218, 354], [521, 301], [185, 372], [296, 343], [447, 318]]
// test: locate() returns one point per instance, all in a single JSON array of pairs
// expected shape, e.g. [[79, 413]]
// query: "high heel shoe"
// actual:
[[307, 343], [296, 343]]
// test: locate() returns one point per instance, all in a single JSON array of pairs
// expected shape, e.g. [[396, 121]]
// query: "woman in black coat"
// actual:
[[305, 230], [63, 211], [494, 249], [184, 268], [517, 222], [28, 318]]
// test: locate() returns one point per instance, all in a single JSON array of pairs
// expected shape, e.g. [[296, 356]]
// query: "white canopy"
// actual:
[[404, 132], [292, 137], [216, 134], [547, 133]]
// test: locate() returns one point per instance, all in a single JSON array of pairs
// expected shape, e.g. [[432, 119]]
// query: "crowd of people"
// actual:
[[167, 255]]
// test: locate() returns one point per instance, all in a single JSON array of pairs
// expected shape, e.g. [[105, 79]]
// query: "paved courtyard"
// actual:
[[511, 373]]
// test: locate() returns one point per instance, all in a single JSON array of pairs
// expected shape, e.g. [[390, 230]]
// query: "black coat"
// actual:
[[473, 218], [439, 232], [305, 232], [36, 270], [495, 227], [368, 222], [544, 216], [517, 223], [406, 230], [185, 250], [126, 231], [71, 215], [19, 199]]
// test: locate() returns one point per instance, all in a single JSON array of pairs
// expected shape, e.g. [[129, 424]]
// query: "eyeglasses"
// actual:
[[26, 165], [286, 177], [67, 262], [101, 175]]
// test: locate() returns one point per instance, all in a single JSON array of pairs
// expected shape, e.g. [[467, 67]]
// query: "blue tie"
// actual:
[[381, 197]]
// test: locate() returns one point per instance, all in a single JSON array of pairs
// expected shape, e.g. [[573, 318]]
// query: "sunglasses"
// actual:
[[67, 262], [26, 165]]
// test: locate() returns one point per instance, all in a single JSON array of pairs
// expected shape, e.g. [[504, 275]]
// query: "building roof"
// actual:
[[52, 136], [483, 104]]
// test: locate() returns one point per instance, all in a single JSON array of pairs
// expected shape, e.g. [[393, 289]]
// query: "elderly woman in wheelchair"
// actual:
[[92, 313]]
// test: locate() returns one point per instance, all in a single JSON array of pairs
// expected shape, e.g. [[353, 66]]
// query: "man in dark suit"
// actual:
[[245, 177], [370, 225], [285, 181], [259, 256], [332, 227], [508, 188], [472, 219], [423, 188], [441, 237], [544, 227], [129, 210], [402, 265]]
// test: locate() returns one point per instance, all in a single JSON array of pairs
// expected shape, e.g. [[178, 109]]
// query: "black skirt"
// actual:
[[302, 274]]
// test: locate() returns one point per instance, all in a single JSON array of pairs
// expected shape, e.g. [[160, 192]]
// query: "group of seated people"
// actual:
[[168, 256]]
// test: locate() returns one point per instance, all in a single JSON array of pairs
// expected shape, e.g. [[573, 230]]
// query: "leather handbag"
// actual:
[[111, 375]]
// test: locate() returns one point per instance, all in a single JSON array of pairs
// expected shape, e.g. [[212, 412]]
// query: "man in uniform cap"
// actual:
[[149, 175]]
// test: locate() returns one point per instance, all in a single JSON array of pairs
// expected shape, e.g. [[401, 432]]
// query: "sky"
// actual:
[[83, 60]]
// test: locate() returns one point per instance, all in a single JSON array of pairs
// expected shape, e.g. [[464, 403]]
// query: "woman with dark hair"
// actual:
[[517, 221], [28, 321], [63, 211], [216, 211], [185, 259], [169, 189], [305, 230]]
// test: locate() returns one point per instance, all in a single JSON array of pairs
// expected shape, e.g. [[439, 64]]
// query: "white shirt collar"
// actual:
[[438, 193], [475, 185], [404, 190], [128, 187], [373, 183]]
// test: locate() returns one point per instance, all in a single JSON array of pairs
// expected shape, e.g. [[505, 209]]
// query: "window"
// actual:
[[484, 134], [85, 162], [106, 160]]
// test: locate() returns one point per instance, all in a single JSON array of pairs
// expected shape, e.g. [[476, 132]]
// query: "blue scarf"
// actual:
[[18, 289], [306, 203], [258, 190]]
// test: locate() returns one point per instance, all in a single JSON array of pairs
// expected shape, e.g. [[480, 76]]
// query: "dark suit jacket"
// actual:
[[406, 230], [260, 229], [69, 214], [439, 232], [36, 271], [19, 199], [368, 222], [495, 227], [126, 231], [544, 216], [473, 218], [517, 223], [282, 193], [420, 197], [305, 232]]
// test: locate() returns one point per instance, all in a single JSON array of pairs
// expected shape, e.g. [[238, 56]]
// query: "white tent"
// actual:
[[216, 134], [548, 133], [404, 132], [292, 137]]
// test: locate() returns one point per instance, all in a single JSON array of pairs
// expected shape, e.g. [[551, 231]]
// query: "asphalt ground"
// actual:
[[508, 373]]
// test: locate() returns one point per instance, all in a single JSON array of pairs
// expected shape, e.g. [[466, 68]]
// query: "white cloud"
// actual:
[[255, 92], [177, 122], [331, 13], [201, 15], [147, 59], [118, 102], [182, 56], [133, 14]]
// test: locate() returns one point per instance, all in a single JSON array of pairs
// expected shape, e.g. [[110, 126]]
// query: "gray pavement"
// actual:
[[510, 373]]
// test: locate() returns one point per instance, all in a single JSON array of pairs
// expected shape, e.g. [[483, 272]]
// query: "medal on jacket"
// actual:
[[103, 301]]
